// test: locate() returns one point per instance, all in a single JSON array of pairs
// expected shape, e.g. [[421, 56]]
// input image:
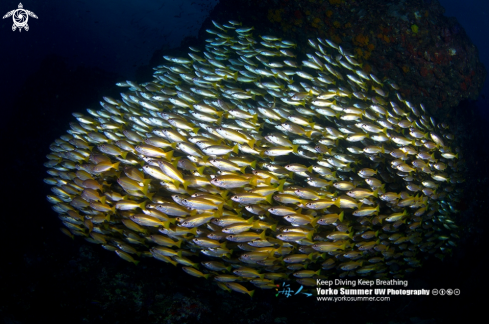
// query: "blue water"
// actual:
[[473, 15], [120, 36], [117, 36]]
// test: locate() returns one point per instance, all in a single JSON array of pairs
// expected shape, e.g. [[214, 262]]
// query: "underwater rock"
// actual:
[[438, 65]]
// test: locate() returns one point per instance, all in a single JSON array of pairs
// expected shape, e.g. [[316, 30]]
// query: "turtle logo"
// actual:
[[20, 17]]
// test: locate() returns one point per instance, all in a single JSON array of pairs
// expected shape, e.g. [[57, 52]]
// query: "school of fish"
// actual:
[[242, 165]]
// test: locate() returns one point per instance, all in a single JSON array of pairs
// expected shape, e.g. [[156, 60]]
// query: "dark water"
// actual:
[[71, 56]]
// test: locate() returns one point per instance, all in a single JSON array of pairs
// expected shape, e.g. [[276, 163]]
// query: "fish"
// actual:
[[239, 288], [263, 163]]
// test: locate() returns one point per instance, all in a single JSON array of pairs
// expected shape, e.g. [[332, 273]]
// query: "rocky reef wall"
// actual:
[[410, 41]]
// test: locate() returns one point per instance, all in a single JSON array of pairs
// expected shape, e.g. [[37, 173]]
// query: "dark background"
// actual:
[[71, 56]]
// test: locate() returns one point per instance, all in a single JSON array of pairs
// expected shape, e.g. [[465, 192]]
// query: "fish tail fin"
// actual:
[[341, 215], [221, 116], [236, 149], [254, 181], [116, 166], [254, 118], [309, 235], [229, 203], [280, 187], [296, 147], [376, 193], [219, 210], [178, 244], [169, 155], [142, 205], [145, 188], [201, 170], [255, 224], [185, 184], [337, 202], [269, 197], [223, 193], [314, 221], [273, 227]]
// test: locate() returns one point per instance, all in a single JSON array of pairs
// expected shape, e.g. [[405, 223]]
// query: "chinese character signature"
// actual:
[[287, 291]]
